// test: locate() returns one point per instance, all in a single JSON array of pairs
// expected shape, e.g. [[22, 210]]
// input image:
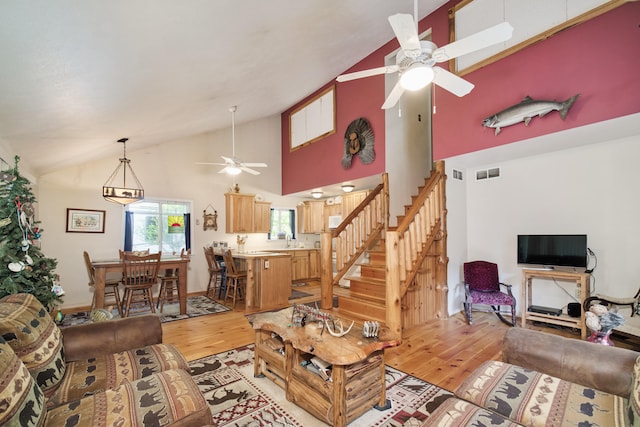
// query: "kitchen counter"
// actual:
[[268, 278]]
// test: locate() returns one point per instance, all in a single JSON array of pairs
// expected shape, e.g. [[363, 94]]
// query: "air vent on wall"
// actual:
[[487, 174], [457, 174]]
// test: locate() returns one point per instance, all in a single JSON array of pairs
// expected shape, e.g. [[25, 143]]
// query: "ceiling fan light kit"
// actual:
[[123, 194], [232, 165], [415, 61], [416, 77]]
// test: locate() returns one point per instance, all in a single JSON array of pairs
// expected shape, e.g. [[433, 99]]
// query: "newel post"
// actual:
[[394, 304], [326, 271]]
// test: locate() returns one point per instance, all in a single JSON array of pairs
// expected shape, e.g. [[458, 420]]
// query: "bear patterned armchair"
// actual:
[[100, 374], [482, 287]]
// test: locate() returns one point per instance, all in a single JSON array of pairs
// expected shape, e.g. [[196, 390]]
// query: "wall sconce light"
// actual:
[[316, 194], [348, 188], [121, 193]]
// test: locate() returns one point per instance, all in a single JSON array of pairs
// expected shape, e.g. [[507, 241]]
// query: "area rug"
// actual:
[[237, 398], [295, 294], [196, 306]]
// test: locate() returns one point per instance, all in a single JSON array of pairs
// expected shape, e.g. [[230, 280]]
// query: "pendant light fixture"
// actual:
[[113, 191]]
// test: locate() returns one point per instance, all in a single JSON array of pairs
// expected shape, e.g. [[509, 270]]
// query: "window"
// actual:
[[158, 225], [282, 224]]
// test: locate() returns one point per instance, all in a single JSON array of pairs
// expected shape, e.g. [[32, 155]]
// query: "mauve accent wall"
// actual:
[[598, 59]]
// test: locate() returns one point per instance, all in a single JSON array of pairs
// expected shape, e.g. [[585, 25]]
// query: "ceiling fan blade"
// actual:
[[254, 165], [449, 81], [228, 160], [393, 97], [366, 73], [404, 27], [485, 38], [218, 164], [223, 170], [249, 170]]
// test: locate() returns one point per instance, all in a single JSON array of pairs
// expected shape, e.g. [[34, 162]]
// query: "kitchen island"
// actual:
[[268, 278]]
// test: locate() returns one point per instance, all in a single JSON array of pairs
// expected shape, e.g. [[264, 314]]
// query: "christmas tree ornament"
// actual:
[[5, 221], [16, 267]]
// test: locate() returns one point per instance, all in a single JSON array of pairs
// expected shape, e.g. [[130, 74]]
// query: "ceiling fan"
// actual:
[[233, 165], [416, 59]]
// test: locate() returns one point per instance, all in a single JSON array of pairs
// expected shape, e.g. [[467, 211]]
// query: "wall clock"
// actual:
[[358, 139]]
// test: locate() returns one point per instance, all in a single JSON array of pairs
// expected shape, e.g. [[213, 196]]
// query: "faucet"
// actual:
[[288, 240]]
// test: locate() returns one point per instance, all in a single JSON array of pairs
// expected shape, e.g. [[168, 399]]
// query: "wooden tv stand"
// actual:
[[357, 380], [579, 279]]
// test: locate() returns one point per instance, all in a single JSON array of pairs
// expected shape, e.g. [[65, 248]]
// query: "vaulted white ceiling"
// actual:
[[77, 75]]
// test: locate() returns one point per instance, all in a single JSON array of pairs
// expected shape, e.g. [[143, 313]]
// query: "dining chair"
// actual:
[[216, 274], [140, 274], [236, 279], [169, 282], [111, 286]]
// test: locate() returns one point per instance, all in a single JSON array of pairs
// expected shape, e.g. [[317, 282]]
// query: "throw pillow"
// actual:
[[21, 400], [29, 329]]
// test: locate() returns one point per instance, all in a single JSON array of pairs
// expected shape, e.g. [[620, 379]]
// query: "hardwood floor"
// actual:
[[442, 352]]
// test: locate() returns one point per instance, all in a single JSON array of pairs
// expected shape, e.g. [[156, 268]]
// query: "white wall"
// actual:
[[590, 190], [166, 171]]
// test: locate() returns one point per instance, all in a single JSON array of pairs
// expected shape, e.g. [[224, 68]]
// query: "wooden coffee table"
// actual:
[[357, 378]]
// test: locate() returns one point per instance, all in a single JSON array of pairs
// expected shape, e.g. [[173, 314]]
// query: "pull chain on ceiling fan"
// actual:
[[233, 165]]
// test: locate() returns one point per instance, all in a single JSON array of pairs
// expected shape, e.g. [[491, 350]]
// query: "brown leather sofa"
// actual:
[[110, 373], [548, 380]]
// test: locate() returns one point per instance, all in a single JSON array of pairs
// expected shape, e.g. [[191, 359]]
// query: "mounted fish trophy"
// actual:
[[526, 110]]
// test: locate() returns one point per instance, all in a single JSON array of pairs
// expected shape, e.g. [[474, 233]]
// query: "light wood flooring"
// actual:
[[442, 352]]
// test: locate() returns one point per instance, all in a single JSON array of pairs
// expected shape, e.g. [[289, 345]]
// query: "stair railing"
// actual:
[[352, 237], [410, 242]]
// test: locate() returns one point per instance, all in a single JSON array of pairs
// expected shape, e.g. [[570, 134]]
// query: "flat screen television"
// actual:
[[561, 250]]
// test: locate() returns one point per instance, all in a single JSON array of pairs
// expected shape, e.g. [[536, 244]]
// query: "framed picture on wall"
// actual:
[[85, 221]]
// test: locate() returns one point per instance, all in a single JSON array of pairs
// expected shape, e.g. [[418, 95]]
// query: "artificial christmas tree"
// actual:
[[23, 267]]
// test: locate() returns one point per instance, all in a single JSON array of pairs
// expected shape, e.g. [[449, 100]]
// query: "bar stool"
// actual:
[[216, 274], [236, 280], [169, 282]]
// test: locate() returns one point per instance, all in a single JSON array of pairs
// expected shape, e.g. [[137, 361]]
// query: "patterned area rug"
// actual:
[[196, 306], [238, 399]]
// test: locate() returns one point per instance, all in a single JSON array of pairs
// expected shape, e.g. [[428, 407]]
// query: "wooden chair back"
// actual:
[[141, 269], [212, 262], [90, 270], [230, 264]]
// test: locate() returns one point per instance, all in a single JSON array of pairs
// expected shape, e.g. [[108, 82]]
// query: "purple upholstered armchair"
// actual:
[[482, 287]]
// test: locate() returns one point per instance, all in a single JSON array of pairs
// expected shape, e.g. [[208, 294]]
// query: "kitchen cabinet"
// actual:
[[311, 216], [299, 265], [351, 200], [305, 264], [314, 264], [244, 215], [261, 217], [331, 210]]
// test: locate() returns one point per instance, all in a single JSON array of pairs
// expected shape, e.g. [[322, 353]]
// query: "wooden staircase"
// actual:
[[367, 292], [404, 283]]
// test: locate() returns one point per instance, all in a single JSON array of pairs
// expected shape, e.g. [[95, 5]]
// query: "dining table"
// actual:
[[175, 262]]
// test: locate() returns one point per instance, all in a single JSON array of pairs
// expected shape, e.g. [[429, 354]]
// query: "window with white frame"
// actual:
[[158, 225]]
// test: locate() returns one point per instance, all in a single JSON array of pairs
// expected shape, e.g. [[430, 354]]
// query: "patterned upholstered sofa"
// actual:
[[101, 374], [548, 380]]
